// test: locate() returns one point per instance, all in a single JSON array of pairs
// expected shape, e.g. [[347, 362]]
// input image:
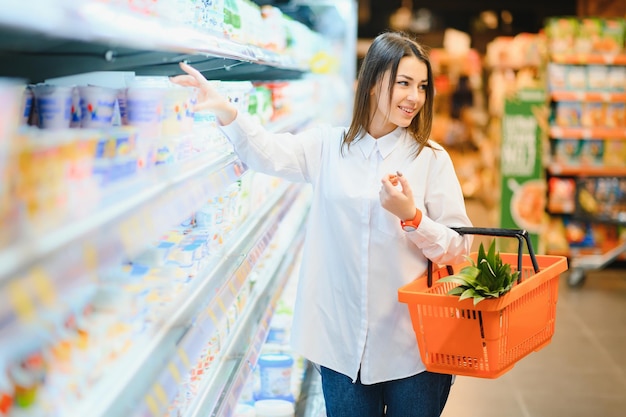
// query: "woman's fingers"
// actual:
[[391, 178], [185, 80], [191, 71], [192, 78], [403, 181], [208, 97], [406, 187], [391, 181]]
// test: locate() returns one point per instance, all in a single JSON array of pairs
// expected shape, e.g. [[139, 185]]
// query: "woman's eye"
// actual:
[[423, 87], [404, 83]]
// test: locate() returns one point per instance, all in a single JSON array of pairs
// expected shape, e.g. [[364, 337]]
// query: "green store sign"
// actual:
[[523, 185]]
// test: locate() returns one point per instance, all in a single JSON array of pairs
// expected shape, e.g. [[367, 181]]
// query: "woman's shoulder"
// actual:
[[328, 131], [337, 129], [431, 144], [436, 152], [436, 145]]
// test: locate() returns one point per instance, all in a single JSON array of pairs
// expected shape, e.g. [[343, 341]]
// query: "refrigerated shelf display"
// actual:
[[131, 250]]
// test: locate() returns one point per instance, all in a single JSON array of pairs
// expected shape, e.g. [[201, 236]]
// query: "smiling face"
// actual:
[[398, 107]]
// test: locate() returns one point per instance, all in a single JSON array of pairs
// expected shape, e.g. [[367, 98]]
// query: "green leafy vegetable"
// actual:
[[488, 277]]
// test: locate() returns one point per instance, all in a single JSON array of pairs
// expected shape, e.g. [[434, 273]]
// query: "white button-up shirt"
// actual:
[[347, 315]]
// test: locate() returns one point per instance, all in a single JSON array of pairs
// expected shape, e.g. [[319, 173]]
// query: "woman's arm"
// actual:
[[445, 208], [294, 157]]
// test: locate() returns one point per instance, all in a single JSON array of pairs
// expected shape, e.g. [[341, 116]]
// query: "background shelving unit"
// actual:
[[47, 274], [587, 141]]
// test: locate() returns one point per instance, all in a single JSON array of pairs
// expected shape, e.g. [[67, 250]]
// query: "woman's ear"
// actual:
[[375, 89]]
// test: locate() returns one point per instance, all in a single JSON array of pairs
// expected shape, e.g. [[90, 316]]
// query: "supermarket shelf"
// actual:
[[146, 200], [164, 356], [38, 272], [616, 133], [595, 213], [578, 251], [606, 220], [593, 58], [589, 96], [597, 171], [58, 38], [222, 393]]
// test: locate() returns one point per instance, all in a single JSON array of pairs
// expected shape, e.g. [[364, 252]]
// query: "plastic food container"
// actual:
[[275, 376], [274, 408], [244, 410]]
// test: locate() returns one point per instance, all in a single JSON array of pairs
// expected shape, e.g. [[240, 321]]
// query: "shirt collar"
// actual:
[[385, 144]]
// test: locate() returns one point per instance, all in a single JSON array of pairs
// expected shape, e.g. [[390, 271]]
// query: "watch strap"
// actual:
[[414, 222]]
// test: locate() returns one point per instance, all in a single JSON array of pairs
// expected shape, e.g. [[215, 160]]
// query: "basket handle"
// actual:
[[520, 234]]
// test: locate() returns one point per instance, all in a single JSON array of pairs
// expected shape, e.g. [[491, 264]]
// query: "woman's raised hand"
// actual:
[[397, 200], [208, 98]]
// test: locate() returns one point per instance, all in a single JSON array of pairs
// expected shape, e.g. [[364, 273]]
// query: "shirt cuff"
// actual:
[[243, 126]]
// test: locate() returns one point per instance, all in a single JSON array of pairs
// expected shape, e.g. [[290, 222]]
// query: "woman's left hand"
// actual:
[[397, 200]]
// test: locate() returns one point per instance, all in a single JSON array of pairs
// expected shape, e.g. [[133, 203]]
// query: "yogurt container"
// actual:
[[54, 105], [275, 376], [274, 408], [97, 106]]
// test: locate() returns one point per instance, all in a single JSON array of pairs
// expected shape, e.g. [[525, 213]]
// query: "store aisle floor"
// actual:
[[581, 373]]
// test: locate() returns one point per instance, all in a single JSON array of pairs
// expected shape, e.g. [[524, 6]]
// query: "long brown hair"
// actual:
[[384, 54]]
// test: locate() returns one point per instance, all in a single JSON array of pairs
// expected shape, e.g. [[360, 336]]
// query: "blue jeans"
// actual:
[[421, 395]]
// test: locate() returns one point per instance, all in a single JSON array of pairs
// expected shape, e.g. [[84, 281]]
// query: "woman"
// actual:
[[384, 198]]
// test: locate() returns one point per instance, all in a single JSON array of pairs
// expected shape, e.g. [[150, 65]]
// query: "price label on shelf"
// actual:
[[152, 405], [184, 358], [242, 273], [174, 371], [213, 317], [43, 287], [21, 301], [160, 395], [90, 256], [30, 292], [130, 232], [147, 218], [232, 288], [221, 305]]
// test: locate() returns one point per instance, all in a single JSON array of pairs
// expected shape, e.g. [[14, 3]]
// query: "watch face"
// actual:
[[408, 228]]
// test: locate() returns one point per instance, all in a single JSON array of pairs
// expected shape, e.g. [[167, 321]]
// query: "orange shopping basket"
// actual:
[[485, 340]]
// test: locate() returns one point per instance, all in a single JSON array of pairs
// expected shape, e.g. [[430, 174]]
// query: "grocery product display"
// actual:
[[576, 67], [586, 168], [141, 262]]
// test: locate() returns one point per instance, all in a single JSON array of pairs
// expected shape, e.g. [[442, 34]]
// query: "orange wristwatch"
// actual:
[[411, 225]]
